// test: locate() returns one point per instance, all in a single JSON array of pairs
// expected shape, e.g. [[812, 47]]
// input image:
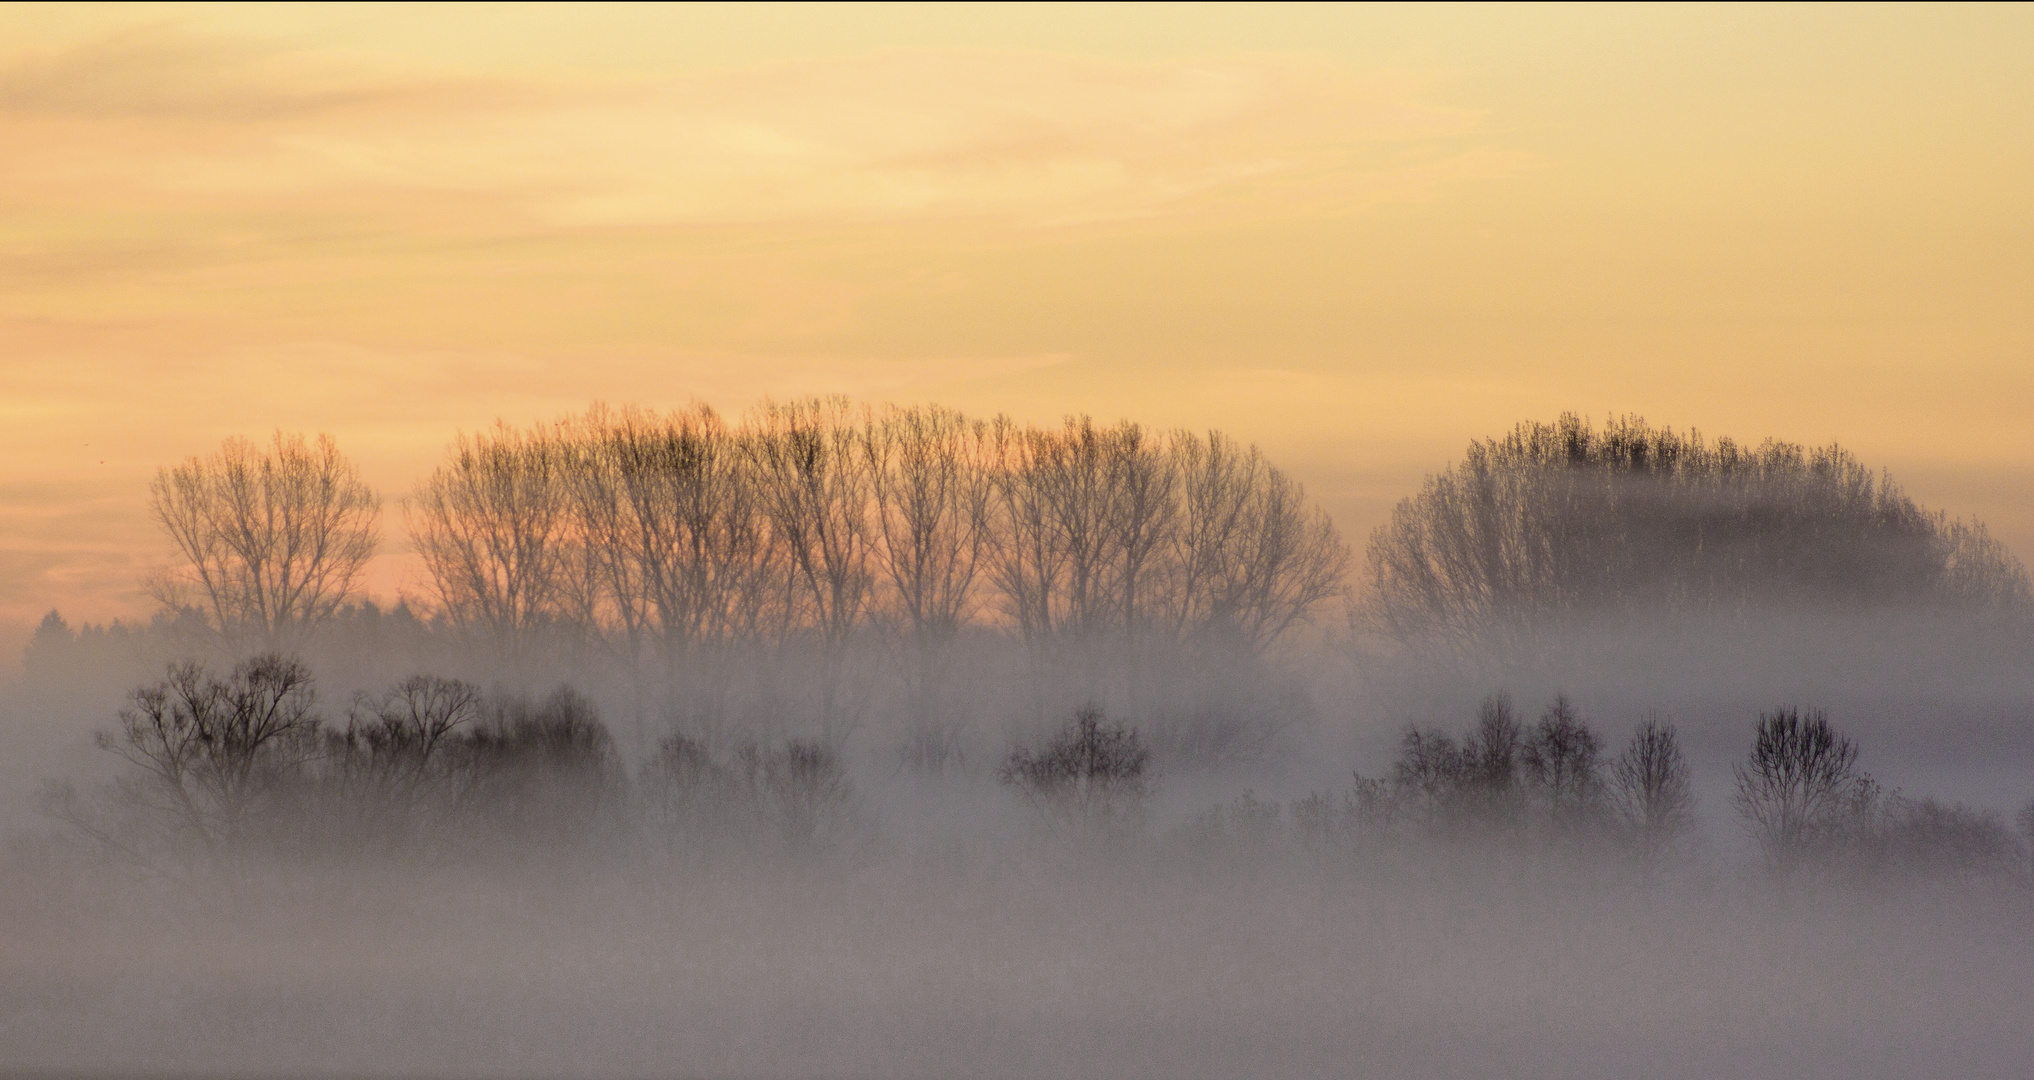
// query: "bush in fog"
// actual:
[[1475, 785], [795, 796], [1927, 840], [241, 764], [1800, 793], [1093, 771], [543, 771], [1249, 830], [1559, 519], [271, 540], [2025, 819], [1502, 778], [1650, 793], [389, 775]]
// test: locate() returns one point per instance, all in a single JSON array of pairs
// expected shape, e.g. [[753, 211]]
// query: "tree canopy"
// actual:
[[1558, 519]]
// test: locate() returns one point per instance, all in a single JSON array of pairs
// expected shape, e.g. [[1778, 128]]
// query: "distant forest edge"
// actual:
[[655, 536], [1561, 519]]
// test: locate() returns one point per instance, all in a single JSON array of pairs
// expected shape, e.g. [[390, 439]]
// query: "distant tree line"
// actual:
[[803, 545], [222, 768], [1557, 520], [667, 535], [1548, 788]]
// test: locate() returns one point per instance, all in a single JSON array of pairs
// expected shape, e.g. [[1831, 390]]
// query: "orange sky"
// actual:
[[1360, 237]]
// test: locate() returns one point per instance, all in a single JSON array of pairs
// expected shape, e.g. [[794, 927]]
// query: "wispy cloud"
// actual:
[[1023, 140]]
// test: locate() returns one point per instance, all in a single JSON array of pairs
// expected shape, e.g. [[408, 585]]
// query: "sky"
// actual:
[[1360, 237]]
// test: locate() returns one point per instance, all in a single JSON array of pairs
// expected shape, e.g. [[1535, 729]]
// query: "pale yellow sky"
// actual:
[[1358, 236]]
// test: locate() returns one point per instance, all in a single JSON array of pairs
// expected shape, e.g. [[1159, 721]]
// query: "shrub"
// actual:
[[388, 774], [1943, 842], [1092, 771], [541, 772], [796, 795]]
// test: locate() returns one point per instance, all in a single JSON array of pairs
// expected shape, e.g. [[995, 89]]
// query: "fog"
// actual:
[[1264, 814]]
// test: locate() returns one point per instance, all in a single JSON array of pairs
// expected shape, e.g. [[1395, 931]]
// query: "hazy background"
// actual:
[[1359, 237]]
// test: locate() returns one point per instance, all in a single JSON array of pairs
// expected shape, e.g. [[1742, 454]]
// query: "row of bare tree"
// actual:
[[668, 536], [662, 536]]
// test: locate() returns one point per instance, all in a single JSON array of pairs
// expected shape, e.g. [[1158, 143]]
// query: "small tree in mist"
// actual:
[[273, 540], [1485, 785], [1562, 761], [1800, 787], [209, 753], [1650, 791], [1092, 771]]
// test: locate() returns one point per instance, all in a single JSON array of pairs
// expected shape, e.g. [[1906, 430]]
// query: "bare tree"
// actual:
[[932, 483], [1029, 554], [1649, 789], [389, 765], [1800, 787], [677, 527], [1290, 560], [494, 527], [1146, 483], [1216, 482], [817, 487], [273, 539], [1561, 757], [207, 749]]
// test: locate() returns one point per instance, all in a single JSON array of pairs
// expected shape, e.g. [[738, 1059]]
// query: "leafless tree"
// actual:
[[1649, 788], [1029, 555], [1561, 756], [1291, 559], [932, 483], [208, 749], [817, 485], [1216, 482], [1800, 787], [677, 528], [1146, 486], [495, 530], [273, 540], [388, 767]]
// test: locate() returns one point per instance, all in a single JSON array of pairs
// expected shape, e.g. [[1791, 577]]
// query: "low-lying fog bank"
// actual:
[[1040, 963]]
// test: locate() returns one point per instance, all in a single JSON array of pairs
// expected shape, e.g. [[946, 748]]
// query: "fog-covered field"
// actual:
[[1263, 814], [969, 964]]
